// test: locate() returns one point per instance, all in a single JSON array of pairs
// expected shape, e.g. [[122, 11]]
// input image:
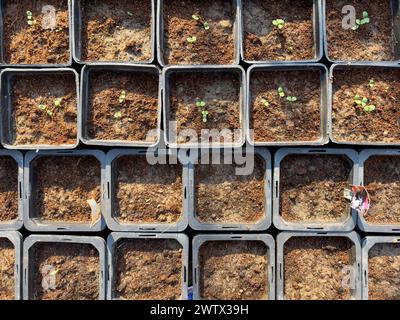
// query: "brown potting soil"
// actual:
[[40, 42], [116, 30], [8, 189], [147, 193], [373, 41], [7, 266], [282, 120], [263, 41], [221, 94], [233, 270], [73, 269], [133, 119], [382, 180], [315, 268], [351, 122], [222, 196], [213, 46], [148, 269], [384, 272], [62, 186], [33, 96], [311, 188]]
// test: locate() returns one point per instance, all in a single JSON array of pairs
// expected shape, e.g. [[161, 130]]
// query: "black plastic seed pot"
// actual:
[[98, 243], [362, 222], [355, 276], [263, 224], [367, 244], [115, 237], [396, 32], [318, 29], [19, 159], [84, 102], [33, 223], [160, 32], [7, 121], [114, 223], [25, 65], [77, 35], [171, 140], [343, 226], [199, 240], [16, 239], [323, 138]]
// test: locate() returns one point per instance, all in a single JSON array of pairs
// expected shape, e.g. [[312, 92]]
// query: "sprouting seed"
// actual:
[[129, 13], [359, 22], [49, 113], [279, 23], [206, 25], [369, 108], [281, 92], [204, 114], [265, 102], [57, 102], [118, 115], [191, 39], [200, 104], [42, 107], [371, 83], [291, 98], [196, 17], [122, 96]]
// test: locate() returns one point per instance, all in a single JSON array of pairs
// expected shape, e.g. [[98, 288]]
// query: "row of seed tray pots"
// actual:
[[141, 266], [119, 105], [198, 32], [138, 190]]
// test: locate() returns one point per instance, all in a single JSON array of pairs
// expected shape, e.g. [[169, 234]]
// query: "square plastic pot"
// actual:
[[324, 138], [7, 108], [280, 223], [19, 159], [84, 103], [362, 223], [113, 222], [283, 237], [35, 224], [267, 239], [396, 31], [167, 72], [318, 37], [40, 65], [367, 244], [114, 237], [261, 225], [77, 31], [16, 239], [97, 242], [354, 66], [160, 33]]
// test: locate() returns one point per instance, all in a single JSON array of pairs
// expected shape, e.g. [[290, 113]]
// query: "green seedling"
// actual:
[[59, 29], [371, 83], [198, 19], [29, 18], [265, 102], [204, 114], [291, 98], [129, 13], [122, 96], [360, 22], [42, 107], [364, 103], [57, 102], [191, 39], [49, 113], [200, 104], [118, 115], [279, 23], [206, 25], [281, 92]]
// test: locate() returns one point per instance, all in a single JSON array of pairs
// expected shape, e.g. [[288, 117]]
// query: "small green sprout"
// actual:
[[191, 39], [281, 92], [29, 17], [42, 107], [49, 113], [265, 102], [279, 23], [206, 25], [57, 102], [58, 29], [371, 83], [363, 102], [204, 114], [369, 108], [196, 17], [359, 22], [122, 96], [291, 98], [200, 104], [129, 13], [118, 115]]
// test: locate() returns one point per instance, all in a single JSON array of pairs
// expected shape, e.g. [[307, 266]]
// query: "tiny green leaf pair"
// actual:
[[279, 23], [359, 22], [363, 102]]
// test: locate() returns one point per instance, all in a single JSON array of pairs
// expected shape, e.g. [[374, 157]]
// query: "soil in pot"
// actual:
[[146, 193], [64, 271], [44, 110], [123, 106], [384, 272], [148, 269], [233, 270], [62, 187], [381, 179], [311, 188], [285, 105], [377, 119], [315, 268], [372, 41], [8, 189], [263, 41], [7, 266], [199, 32], [223, 197], [205, 101], [116, 30], [31, 36]]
